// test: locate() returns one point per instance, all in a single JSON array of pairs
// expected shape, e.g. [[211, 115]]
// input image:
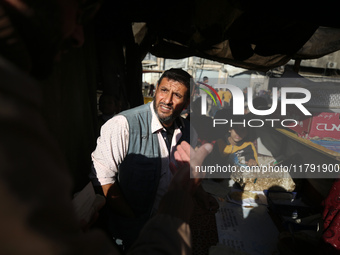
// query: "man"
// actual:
[[131, 161], [226, 96], [205, 79]]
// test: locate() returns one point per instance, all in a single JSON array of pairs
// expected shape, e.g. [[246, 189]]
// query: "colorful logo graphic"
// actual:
[[208, 92], [238, 102]]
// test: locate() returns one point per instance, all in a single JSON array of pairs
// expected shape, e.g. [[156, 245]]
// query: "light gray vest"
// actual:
[[139, 173]]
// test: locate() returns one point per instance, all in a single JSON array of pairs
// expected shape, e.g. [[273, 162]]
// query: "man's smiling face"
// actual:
[[170, 100]]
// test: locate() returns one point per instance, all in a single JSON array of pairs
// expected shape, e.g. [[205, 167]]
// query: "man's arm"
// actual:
[[111, 150]]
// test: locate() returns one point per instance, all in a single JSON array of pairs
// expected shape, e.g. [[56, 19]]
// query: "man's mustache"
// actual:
[[167, 105]]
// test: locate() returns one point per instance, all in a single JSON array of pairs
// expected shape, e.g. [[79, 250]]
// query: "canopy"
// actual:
[[256, 35]]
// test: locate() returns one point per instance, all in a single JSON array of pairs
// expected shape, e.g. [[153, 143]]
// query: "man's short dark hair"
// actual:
[[178, 74], [205, 78]]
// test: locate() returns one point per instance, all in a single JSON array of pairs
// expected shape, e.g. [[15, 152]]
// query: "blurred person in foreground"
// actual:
[[36, 215]]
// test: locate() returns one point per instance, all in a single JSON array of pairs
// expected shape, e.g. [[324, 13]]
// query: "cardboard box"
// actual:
[[325, 125]]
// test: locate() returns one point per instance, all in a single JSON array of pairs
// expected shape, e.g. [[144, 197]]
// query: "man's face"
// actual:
[[170, 100]]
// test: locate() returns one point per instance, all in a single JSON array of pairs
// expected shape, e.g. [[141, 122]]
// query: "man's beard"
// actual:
[[166, 119]]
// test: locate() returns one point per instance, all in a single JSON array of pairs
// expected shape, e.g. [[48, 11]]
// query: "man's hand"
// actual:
[[187, 159], [116, 200]]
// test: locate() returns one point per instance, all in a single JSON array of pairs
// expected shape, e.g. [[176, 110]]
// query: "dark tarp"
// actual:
[[256, 35]]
